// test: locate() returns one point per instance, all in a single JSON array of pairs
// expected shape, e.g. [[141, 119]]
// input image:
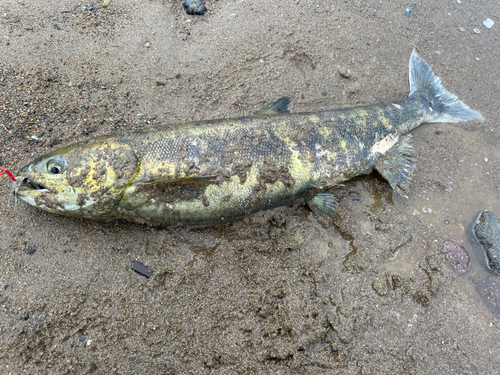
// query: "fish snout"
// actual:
[[25, 183]]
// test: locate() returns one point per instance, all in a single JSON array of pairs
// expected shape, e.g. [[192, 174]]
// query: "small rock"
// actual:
[[456, 255], [140, 268], [487, 232], [345, 73], [462, 29], [30, 249], [194, 7], [488, 23]]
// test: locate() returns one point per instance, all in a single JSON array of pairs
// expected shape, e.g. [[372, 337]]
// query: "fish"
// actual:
[[218, 171]]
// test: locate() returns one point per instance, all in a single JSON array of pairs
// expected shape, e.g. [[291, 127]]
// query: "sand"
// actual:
[[283, 291]]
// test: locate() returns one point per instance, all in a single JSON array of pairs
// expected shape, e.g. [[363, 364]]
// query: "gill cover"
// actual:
[[85, 179]]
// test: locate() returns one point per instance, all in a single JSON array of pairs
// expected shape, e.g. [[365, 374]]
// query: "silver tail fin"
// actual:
[[445, 106]]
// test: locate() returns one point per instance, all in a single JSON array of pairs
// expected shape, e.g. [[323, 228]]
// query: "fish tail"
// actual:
[[445, 106]]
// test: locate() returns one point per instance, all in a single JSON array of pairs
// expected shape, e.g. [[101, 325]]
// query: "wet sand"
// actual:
[[283, 291]]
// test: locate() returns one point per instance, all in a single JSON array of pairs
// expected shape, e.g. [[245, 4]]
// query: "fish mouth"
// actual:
[[28, 184]]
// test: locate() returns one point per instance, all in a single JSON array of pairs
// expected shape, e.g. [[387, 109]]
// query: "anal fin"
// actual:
[[323, 203], [397, 165]]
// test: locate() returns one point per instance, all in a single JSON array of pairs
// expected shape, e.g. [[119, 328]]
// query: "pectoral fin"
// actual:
[[397, 165], [323, 203]]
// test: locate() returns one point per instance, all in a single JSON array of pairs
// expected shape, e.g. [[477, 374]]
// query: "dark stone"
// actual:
[[140, 268], [487, 232], [30, 249], [194, 7]]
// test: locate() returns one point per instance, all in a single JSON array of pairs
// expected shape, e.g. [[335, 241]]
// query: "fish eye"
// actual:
[[54, 169], [56, 165]]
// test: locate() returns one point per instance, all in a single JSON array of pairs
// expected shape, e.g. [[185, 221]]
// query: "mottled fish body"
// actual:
[[215, 171]]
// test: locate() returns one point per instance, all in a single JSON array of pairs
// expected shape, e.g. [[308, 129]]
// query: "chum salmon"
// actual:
[[214, 171]]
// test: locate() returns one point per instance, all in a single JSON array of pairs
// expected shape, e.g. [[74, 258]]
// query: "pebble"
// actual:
[[140, 268], [345, 73], [487, 232], [488, 23], [30, 249], [456, 255], [408, 12], [462, 29], [194, 7]]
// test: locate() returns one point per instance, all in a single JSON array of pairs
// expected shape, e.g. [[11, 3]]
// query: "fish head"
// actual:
[[86, 179]]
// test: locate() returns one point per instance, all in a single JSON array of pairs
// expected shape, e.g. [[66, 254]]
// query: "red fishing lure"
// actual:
[[8, 174]]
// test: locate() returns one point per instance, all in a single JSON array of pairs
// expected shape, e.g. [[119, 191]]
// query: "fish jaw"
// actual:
[[41, 192]]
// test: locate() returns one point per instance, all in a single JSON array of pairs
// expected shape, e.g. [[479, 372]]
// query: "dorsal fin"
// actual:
[[275, 108]]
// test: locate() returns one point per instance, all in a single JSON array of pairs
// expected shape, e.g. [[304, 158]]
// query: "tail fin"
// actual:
[[445, 106]]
